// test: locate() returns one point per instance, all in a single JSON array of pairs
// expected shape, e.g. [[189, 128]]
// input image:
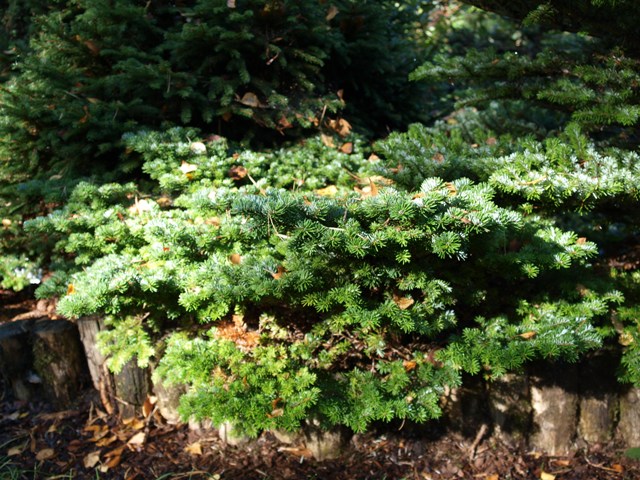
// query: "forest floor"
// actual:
[[37, 442]]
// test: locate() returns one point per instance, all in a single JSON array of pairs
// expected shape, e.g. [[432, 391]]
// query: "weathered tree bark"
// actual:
[[325, 444], [15, 360], [510, 408], [554, 400], [59, 361], [132, 387], [629, 425], [124, 392], [230, 437], [168, 400], [465, 408], [89, 327], [596, 418], [598, 398]]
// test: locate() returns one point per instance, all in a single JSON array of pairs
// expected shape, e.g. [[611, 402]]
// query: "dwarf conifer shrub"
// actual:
[[275, 300]]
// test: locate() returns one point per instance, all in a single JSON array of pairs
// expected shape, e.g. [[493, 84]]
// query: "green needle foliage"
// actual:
[[273, 302]]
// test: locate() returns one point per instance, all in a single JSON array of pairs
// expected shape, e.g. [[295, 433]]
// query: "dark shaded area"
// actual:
[[594, 18]]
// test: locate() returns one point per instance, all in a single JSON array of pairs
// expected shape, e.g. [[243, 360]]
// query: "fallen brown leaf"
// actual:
[[149, 404], [114, 461], [327, 140], [452, 188], [134, 423], [369, 191], [284, 122], [116, 452], [403, 302], [409, 365], [331, 14], [45, 454], [194, 448], [13, 451], [91, 460], [279, 273], [106, 441], [340, 126], [137, 439], [238, 172], [75, 445], [250, 100], [347, 148], [297, 451]]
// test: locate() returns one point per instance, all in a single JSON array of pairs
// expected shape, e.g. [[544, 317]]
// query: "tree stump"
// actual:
[[16, 360], [286, 437], [596, 418], [325, 444], [554, 400], [510, 408], [132, 387], [58, 360], [168, 400], [465, 408], [229, 436], [89, 327], [598, 397], [629, 424], [124, 392]]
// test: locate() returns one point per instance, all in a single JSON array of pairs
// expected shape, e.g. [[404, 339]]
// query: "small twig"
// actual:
[[476, 441], [607, 469], [402, 425], [191, 473], [324, 110], [104, 390]]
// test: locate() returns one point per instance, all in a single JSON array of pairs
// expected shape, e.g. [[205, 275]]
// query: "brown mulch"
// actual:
[[37, 442]]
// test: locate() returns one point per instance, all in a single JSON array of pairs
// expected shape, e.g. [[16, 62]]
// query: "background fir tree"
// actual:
[[98, 70]]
